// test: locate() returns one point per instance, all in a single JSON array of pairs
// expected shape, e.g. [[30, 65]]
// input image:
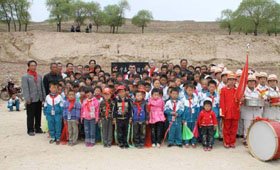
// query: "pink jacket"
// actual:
[[156, 110], [87, 106]]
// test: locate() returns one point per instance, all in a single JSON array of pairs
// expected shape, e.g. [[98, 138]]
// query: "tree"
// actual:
[[257, 11], [274, 20], [226, 20], [21, 10], [242, 24], [112, 16], [5, 14], [59, 11], [95, 14], [142, 19], [79, 11], [123, 5]]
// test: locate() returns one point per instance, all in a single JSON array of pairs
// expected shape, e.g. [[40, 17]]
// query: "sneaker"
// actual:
[[205, 149], [87, 144], [126, 146], [153, 145], [193, 146], [57, 142], [227, 146], [39, 131], [121, 146], [158, 145], [209, 149], [109, 146], [105, 145], [52, 141], [31, 133], [180, 146], [187, 145], [170, 145]]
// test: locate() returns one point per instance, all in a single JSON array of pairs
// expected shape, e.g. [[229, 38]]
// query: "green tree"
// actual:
[[123, 5], [274, 20], [59, 11], [226, 20], [242, 24], [142, 19], [257, 11], [79, 11], [5, 14], [95, 14], [112, 16]]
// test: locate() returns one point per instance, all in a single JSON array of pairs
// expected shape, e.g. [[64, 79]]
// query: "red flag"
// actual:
[[243, 81]]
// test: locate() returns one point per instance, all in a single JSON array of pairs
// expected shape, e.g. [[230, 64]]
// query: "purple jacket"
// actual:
[[75, 112]]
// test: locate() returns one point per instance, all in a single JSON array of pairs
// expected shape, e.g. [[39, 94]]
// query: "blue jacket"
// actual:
[[75, 112], [58, 105], [168, 109], [143, 115], [191, 112]]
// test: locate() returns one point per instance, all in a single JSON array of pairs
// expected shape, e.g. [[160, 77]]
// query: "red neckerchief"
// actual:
[[123, 105], [98, 97], [174, 106], [212, 97], [72, 102], [82, 99], [151, 71], [53, 97], [33, 74], [107, 108], [69, 72], [138, 107], [190, 105], [60, 73], [87, 105], [91, 70]]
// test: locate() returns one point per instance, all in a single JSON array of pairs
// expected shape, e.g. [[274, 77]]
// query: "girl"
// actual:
[[90, 115], [156, 109]]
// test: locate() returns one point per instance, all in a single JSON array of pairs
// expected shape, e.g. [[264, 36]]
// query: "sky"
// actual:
[[168, 10]]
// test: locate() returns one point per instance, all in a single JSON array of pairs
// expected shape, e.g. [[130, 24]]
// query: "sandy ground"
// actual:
[[19, 151]]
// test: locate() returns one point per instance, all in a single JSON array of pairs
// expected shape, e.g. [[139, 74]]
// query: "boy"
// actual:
[[229, 111], [163, 83], [191, 111], [262, 87], [14, 101], [140, 118], [174, 109], [71, 116], [208, 123], [53, 109], [122, 115], [106, 117]]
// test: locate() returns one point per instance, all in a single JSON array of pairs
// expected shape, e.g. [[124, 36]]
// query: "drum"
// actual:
[[275, 101], [254, 102], [263, 140]]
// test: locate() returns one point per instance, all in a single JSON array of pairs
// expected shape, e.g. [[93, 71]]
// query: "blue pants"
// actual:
[[97, 133], [175, 133], [89, 126], [16, 105], [54, 125], [191, 126]]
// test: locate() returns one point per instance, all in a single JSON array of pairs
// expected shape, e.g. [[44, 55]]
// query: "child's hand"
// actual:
[[96, 122], [77, 122], [130, 121], [176, 114], [183, 122], [147, 122]]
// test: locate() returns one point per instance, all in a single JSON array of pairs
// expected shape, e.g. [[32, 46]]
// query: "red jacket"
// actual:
[[230, 108], [207, 118]]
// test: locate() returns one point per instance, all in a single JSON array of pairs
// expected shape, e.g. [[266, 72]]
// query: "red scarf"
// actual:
[[98, 97], [190, 105], [60, 73], [174, 106], [151, 71], [82, 99], [123, 106], [33, 74], [69, 72], [91, 70], [72, 102], [87, 105], [212, 97], [53, 97], [138, 107], [107, 108]]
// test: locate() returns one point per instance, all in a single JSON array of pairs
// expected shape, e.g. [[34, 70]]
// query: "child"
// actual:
[[53, 110], [208, 123], [191, 111], [164, 87], [106, 117], [71, 115], [157, 118], [122, 115], [174, 109], [90, 115], [14, 101], [229, 111], [140, 119]]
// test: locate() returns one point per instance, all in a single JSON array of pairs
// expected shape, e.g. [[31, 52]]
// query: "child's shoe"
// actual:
[[170, 145], [158, 145], [210, 148], [87, 144], [193, 146], [187, 145], [57, 142], [205, 149], [52, 141], [153, 145]]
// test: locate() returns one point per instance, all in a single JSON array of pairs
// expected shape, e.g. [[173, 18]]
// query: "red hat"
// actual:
[[142, 90], [106, 91], [121, 87], [231, 76]]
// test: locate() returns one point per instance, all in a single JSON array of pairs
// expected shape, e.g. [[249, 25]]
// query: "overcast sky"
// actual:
[[171, 10]]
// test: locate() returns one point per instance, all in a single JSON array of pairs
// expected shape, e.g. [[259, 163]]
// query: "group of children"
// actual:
[[164, 101]]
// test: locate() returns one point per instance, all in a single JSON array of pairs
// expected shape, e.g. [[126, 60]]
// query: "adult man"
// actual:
[[184, 65], [34, 94], [69, 69], [59, 69], [132, 70], [52, 77]]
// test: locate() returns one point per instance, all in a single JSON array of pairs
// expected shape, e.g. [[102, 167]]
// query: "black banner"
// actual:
[[124, 66]]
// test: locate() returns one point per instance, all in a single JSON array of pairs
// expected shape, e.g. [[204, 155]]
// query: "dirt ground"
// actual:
[[19, 151]]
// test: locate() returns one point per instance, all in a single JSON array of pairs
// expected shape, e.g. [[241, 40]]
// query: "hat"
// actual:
[[272, 77], [213, 69], [221, 66], [263, 74], [231, 76], [225, 72], [142, 90], [239, 72], [121, 87], [218, 70], [252, 78], [208, 77], [256, 74], [106, 91]]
